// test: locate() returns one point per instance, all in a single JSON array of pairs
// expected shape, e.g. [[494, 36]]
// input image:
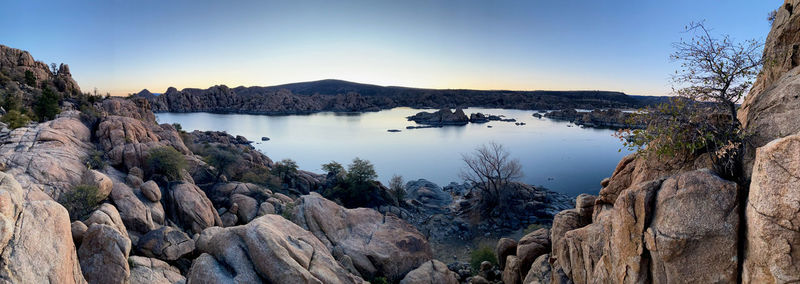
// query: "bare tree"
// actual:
[[716, 70], [490, 169], [54, 68]]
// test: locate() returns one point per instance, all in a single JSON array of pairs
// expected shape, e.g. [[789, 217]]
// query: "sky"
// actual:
[[122, 47]]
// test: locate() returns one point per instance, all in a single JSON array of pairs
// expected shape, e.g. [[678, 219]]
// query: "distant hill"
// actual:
[[339, 95]]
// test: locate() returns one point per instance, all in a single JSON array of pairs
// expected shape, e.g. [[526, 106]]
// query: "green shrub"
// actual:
[[397, 189], [46, 106], [166, 161], [286, 169], [360, 171], [15, 119], [223, 160], [95, 160], [260, 175], [334, 167], [483, 253], [30, 80], [288, 211], [81, 200], [379, 280]]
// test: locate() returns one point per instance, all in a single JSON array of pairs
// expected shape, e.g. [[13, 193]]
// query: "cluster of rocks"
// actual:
[[440, 117], [598, 118], [148, 229], [443, 213]]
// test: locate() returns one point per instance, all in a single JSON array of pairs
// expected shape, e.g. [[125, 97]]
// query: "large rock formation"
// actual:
[[772, 109], [49, 156], [35, 237], [773, 222], [14, 63], [269, 249], [192, 209], [378, 245], [441, 117], [682, 229]]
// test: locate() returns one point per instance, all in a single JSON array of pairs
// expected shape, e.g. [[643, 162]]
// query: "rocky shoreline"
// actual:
[[343, 96], [102, 193], [598, 118]]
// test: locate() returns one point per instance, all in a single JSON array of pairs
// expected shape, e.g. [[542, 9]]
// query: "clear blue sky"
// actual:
[[125, 46]]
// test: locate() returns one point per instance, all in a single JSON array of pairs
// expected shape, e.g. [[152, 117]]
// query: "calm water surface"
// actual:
[[570, 160]]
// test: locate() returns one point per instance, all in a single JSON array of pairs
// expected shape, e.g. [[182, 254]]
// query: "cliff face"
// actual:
[[772, 108]]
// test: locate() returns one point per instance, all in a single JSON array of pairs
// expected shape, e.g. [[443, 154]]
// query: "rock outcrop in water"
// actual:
[[608, 118], [441, 117]]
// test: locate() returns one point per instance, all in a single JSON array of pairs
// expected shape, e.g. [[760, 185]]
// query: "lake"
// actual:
[[570, 160]]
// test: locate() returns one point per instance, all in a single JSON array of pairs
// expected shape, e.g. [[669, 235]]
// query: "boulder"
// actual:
[[48, 156], [694, 232], [530, 247], [266, 208], [377, 244], [153, 271], [773, 224], [504, 248], [511, 271], [134, 213], [428, 194], [192, 208], [433, 271], [104, 255], [99, 180], [35, 237], [107, 214], [151, 191], [539, 272], [269, 249], [634, 169], [78, 230], [248, 207], [165, 243]]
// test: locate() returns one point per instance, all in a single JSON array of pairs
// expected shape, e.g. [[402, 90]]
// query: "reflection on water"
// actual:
[[571, 160]]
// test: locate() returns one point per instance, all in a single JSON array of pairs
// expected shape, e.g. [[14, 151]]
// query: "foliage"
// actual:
[[95, 160], [222, 160], [30, 80], [360, 171], [356, 187], [715, 74], [397, 189], [46, 106], [260, 175], [490, 169], [483, 253], [379, 280], [15, 119], [288, 211], [166, 161], [286, 169], [715, 69], [81, 200], [335, 168], [12, 102]]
